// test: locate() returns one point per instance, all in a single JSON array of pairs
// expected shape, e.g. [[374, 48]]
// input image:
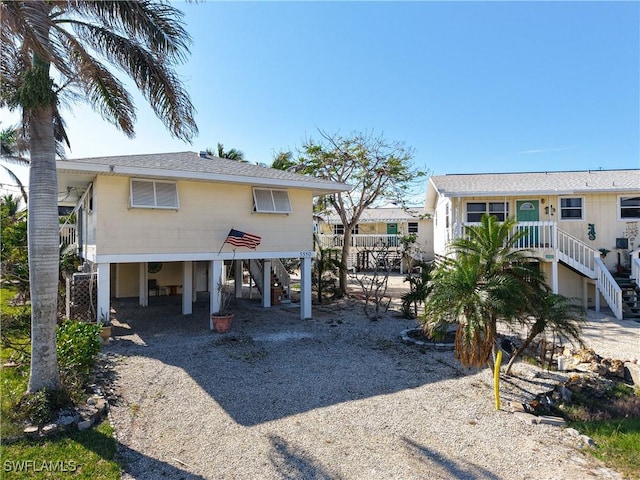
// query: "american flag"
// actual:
[[242, 239]]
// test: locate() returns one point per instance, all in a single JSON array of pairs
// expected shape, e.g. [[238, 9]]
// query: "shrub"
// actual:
[[35, 408], [16, 331], [78, 343]]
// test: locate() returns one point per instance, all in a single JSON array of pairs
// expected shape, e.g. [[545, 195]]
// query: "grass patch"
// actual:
[[84, 455], [617, 443]]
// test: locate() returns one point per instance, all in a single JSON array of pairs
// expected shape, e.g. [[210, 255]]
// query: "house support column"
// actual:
[[187, 288], [554, 276], [266, 283], [215, 281], [305, 288], [238, 278], [143, 287], [585, 292], [104, 291]]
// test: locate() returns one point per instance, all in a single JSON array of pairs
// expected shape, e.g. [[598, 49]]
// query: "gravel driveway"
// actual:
[[336, 397]]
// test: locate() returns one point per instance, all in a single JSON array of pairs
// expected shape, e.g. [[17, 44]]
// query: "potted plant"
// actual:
[[222, 319], [105, 330]]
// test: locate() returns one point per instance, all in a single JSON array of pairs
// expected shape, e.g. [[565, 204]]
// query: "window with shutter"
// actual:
[[266, 200], [154, 194]]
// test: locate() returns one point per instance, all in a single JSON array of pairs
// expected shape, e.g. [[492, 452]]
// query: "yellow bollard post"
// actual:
[[496, 378]]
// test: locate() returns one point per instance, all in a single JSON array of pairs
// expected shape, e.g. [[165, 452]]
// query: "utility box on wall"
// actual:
[[622, 243]]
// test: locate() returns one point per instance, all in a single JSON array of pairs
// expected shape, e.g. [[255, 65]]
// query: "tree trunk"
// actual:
[[343, 260], [44, 239], [532, 334]]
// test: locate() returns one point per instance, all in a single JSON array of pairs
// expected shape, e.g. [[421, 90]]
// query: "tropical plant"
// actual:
[[485, 279], [325, 266], [551, 314], [78, 43], [232, 154], [10, 149], [420, 287]]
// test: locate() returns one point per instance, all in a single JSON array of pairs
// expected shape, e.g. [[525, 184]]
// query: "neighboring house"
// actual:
[[158, 223], [382, 226], [570, 219]]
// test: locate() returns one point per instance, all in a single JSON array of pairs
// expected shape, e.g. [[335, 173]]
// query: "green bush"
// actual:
[[15, 333], [78, 343], [35, 408]]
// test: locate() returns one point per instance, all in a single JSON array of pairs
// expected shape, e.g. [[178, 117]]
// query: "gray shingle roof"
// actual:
[[382, 214], [538, 182], [190, 165]]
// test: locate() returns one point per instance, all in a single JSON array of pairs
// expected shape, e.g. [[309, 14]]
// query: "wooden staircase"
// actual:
[[279, 277], [630, 295]]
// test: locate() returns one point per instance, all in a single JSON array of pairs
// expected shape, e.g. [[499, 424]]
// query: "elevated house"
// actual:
[[380, 229], [582, 226], [166, 224]]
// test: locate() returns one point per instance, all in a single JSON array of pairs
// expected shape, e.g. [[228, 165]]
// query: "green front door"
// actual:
[[528, 211], [392, 229]]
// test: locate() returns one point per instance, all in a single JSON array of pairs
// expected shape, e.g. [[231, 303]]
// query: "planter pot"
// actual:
[[221, 323], [105, 333]]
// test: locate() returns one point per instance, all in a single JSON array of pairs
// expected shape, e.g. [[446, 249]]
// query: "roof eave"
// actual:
[[318, 188]]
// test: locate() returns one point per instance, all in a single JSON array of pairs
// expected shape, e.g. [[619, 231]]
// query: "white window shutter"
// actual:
[[142, 194], [166, 195]]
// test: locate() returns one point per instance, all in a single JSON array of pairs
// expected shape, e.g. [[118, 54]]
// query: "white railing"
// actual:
[[577, 254], [635, 265], [608, 287], [360, 240], [68, 234], [281, 273], [535, 235]]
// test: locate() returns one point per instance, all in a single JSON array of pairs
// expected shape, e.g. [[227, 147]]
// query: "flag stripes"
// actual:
[[242, 239]]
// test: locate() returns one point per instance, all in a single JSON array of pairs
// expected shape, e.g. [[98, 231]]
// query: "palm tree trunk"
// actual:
[[532, 334], [43, 237]]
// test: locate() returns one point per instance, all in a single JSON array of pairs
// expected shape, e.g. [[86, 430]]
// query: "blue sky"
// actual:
[[471, 86]]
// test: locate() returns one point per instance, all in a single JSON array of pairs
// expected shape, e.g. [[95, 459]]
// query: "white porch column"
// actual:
[[585, 292], [266, 283], [143, 284], [554, 275], [214, 286], [238, 278], [305, 288], [104, 291], [187, 288]]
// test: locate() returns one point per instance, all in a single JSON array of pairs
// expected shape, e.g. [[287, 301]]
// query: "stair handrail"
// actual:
[[578, 251], [608, 287], [635, 264], [72, 237], [283, 276]]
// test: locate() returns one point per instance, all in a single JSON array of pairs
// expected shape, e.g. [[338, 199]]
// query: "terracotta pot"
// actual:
[[221, 323], [105, 333]]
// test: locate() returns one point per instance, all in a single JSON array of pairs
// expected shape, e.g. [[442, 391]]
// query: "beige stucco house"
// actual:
[[582, 226], [384, 225], [175, 211]]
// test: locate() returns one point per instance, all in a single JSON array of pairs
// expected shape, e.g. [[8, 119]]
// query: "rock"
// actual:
[[573, 432], [565, 393], [31, 431], [586, 355], [526, 417], [632, 372], [50, 429], [101, 405], [91, 401], [549, 420], [84, 425], [616, 368], [66, 421], [588, 441]]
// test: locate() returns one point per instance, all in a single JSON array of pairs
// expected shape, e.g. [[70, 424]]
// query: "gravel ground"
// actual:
[[335, 397]]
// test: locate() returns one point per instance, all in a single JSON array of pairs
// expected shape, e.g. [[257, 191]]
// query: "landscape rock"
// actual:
[[632, 372], [50, 429], [31, 431], [84, 425]]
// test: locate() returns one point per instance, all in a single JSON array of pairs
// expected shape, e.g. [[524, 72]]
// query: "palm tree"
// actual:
[[10, 149], [232, 154], [486, 279], [79, 43], [554, 314]]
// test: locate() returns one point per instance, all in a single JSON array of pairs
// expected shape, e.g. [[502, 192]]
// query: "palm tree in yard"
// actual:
[[63, 51], [231, 154], [485, 280], [554, 314]]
